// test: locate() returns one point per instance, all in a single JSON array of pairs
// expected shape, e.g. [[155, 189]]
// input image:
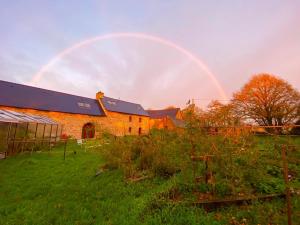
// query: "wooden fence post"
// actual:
[[286, 180], [65, 148]]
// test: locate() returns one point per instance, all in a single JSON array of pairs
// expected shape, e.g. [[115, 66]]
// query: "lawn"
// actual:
[[42, 188]]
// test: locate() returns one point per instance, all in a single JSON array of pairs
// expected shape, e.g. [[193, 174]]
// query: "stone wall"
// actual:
[[122, 124], [115, 123], [163, 123]]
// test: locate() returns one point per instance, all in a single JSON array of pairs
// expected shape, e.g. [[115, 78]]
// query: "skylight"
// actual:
[[111, 102], [84, 105]]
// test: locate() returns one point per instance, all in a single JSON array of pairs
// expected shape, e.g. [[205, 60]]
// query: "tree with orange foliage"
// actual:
[[268, 100], [219, 114]]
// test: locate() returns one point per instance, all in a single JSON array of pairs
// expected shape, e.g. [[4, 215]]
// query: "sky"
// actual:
[[233, 39]]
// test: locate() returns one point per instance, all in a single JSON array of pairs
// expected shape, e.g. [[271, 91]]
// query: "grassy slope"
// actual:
[[43, 189]]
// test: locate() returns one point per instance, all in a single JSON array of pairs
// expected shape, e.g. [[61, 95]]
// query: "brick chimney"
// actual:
[[99, 95]]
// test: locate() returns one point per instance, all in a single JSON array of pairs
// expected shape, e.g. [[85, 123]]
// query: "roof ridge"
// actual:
[[60, 92], [123, 100], [177, 108]]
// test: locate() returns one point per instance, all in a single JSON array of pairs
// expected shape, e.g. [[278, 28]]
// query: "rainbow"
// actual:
[[35, 79]]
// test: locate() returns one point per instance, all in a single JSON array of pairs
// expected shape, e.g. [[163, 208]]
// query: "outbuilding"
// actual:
[[21, 132]]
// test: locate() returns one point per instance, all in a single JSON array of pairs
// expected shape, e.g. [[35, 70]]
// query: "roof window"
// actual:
[[84, 105], [111, 102]]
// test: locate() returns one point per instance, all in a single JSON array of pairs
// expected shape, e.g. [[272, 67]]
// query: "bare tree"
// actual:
[[268, 100]]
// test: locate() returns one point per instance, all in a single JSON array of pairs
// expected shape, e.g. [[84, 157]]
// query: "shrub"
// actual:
[[158, 154]]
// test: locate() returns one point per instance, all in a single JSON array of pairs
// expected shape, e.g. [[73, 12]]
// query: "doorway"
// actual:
[[88, 131]]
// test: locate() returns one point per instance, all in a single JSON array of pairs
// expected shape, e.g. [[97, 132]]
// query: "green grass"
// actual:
[[42, 188]]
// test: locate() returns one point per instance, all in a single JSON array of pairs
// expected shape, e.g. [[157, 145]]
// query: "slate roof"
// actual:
[[23, 96], [116, 105], [159, 114], [179, 123]]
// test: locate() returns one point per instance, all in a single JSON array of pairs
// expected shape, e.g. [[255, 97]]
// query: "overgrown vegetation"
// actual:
[[239, 166], [42, 188], [160, 178], [157, 154]]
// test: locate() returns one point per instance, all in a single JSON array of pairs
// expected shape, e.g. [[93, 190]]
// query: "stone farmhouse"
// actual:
[[80, 117]]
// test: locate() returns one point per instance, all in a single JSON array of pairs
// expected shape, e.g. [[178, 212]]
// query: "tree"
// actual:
[[268, 100], [192, 110], [219, 114]]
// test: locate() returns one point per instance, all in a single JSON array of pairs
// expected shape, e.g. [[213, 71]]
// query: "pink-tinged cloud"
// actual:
[[142, 36]]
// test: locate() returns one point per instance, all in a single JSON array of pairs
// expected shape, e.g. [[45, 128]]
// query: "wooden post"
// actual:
[[36, 129], [8, 138], [56, 133], [25, 137], [13, 145], [43, 135], [65, 148], [287, 188], [50, 139]]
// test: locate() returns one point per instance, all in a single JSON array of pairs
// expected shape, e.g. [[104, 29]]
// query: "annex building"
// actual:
[[169, 119]]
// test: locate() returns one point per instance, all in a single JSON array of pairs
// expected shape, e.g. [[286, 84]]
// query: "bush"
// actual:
[[157, 154]]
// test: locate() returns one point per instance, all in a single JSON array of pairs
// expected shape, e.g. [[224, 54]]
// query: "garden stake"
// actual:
[[65, 149], [287, 188]]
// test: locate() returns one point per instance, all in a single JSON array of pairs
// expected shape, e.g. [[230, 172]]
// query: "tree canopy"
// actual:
[[268, 100]]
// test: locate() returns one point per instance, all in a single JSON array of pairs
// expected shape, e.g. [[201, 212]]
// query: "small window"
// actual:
[[129, 129], [130, 118], [140, 119], [84, 105], [111, 102], [140, 131]]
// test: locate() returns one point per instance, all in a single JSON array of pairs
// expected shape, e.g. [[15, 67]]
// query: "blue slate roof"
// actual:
[[116, 105], [23, 96], [159, 114]]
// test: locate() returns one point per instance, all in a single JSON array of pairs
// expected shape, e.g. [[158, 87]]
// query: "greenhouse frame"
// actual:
[[21, 132]]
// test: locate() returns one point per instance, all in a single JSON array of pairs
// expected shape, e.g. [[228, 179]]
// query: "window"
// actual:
[[140, 131], [130, 118], [111, 102], [84, 105], [140, 119], [129, 129]]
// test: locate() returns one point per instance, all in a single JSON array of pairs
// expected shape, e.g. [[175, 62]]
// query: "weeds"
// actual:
[[41, 188], [238, 164]]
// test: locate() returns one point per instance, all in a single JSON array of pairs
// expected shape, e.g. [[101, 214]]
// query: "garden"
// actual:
[[191, 177]]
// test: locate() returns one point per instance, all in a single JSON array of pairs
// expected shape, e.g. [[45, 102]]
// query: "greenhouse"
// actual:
[[24, 132]]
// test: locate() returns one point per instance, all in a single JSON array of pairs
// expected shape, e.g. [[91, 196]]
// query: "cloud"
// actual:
[[134, 70], [235, 41]]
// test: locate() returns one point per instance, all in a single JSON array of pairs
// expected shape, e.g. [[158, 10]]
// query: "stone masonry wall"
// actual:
[[121, 124], [116, 123], [163, 123]]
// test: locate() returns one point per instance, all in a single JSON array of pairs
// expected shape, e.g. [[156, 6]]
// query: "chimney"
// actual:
[[99, 95]]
